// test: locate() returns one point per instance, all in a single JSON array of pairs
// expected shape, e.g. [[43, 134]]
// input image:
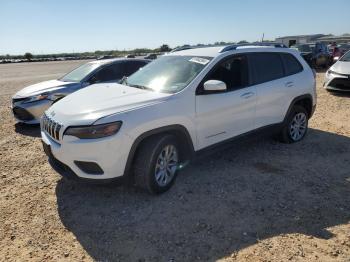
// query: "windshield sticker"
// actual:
[[199, 60]]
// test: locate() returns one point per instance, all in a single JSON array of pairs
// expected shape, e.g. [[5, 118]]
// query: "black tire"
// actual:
[[285, 135], [144, 165]]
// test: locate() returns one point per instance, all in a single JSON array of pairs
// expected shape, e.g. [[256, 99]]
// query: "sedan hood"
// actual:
[[42, 87], [341, 67], [91, 103]]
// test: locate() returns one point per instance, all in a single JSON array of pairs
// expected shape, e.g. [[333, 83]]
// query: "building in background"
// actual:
[[298, 39], [303, 39], [345, 38]]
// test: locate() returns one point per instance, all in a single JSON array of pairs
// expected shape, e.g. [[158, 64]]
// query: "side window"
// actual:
[[291, 64], [109, 73], [233, 72], [133, 66], [266, 67]]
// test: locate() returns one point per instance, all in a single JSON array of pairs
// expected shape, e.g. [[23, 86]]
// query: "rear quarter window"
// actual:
[[291, 64], [266, 67]]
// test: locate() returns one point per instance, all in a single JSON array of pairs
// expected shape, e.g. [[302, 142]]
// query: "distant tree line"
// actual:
[[116, 53]]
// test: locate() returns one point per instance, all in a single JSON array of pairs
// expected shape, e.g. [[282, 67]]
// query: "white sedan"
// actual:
[[338, 76]]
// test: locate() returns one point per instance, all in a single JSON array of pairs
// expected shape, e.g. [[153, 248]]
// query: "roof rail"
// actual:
[[252, 45], [187, 47]]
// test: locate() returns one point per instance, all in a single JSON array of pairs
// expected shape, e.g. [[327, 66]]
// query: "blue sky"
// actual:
[[75, 25]]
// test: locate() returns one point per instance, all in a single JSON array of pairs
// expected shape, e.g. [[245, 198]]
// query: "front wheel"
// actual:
[[156, 164], [295, 126]]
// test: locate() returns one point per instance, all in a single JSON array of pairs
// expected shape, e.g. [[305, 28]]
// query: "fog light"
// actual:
[[90, 168]]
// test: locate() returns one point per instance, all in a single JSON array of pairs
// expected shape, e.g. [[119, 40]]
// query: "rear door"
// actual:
[[295, 82], [271, 85]]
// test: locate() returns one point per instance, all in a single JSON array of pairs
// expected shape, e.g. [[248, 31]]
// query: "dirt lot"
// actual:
[[258, 200]]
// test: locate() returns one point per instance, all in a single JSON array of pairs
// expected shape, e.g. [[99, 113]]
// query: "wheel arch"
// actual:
[[304, 100], [181, 133]]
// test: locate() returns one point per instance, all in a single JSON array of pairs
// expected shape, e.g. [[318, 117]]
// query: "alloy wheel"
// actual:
[[298, 126], [166, 165]]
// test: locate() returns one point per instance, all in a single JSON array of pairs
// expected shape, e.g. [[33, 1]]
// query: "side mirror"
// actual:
[[85, 84], [214, 85], [121, 81], [93, 80]]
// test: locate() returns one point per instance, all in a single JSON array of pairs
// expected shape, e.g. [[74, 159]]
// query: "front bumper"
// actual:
[[337, 82], [110, 154], [29, 113], [67, 173]]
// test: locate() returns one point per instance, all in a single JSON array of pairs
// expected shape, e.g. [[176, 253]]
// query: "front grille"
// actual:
[[22, 114], [51, 127], [340, 83]]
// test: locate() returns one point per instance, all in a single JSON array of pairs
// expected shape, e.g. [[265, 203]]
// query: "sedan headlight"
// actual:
[[36, 98], [94, 131], [333, 73]]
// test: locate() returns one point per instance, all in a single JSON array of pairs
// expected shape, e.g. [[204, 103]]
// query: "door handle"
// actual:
[[247, 95], [289, 84]]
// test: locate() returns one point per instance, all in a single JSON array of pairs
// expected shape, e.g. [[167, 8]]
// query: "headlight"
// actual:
[[36, 98], [94, 131], [332, 72]]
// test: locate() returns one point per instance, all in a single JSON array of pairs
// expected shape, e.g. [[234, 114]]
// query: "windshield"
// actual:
[[168, 74], [346, 57], [79, 73]]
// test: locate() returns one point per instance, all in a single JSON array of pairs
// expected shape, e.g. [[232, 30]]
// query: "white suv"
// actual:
[[181, 103]]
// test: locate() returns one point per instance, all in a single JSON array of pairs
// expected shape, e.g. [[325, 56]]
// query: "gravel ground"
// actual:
[[257, 200]]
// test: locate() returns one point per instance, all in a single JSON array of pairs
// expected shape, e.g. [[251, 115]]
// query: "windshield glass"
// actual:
[[79, 73], [346, 57], [168, 74]]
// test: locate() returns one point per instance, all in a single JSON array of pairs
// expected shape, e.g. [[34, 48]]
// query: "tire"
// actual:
[[296, 125], [153, 171]]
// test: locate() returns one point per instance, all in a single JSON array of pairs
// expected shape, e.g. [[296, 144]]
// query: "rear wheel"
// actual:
[[296, 125], [156, 164]]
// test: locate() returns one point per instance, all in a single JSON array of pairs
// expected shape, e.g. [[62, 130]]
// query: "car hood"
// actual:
[[341, 67], [87, 105], [46, 86]]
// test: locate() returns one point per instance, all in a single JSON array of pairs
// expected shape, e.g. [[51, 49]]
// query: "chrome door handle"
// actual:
[[247, 95], [289, 84]]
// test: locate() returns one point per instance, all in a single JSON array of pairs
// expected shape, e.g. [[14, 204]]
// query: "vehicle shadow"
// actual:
[[28, 130], [221, 203], [340, 94], [321, 70]]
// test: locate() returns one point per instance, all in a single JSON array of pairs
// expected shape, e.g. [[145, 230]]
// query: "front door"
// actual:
[[229, 113]]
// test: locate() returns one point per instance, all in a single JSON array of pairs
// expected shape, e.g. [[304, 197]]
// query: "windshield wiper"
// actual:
[[139, 86], [124, 81]]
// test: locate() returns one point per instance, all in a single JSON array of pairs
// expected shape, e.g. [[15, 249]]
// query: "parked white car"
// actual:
[[337, 77], [174, 107]]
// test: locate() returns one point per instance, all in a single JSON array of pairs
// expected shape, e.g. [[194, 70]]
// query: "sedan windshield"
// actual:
[[79, 73], [346, 57], [168, 74]]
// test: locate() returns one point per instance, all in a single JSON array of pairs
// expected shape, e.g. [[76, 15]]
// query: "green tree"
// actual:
[[164, 48], [28, 56], [243, 42]]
